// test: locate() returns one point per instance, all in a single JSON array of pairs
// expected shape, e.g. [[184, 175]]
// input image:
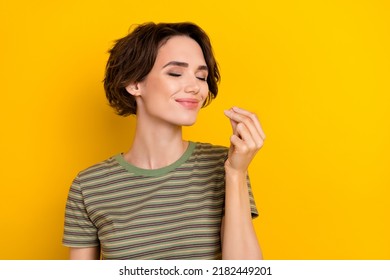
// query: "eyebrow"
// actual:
[[184, 64]]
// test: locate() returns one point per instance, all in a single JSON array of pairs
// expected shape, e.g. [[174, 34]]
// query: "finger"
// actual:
[[253, 117], [238, 143], [249, 123], [248, 127], [250, 136], [232, 122]]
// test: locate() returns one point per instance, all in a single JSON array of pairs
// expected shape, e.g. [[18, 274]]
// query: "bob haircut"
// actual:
[[132, 58]]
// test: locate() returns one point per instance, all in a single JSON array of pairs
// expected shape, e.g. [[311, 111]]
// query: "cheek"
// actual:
[[158, 88], [205, 91], [167, 87]]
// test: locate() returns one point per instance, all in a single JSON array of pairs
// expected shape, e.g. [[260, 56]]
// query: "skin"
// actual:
[[237, 233], [170, 97]]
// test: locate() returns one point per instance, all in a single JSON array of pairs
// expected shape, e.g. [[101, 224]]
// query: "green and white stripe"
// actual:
[[169, 213]]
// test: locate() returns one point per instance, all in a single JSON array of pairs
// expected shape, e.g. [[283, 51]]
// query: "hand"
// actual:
[[247, 139]]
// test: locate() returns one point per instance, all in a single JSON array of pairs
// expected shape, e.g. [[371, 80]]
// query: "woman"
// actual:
[[166, 198]]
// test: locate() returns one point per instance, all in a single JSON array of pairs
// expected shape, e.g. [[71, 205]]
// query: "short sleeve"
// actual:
[[252, 202], [254, 211], [79, 231]]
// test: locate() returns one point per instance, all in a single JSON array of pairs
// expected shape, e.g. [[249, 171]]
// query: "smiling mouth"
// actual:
[[188, 103]]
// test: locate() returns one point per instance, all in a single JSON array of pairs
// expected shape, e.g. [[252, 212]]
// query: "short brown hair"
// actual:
[[132, 58]]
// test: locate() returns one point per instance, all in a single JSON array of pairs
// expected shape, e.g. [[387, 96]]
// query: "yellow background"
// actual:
[[316, 73]]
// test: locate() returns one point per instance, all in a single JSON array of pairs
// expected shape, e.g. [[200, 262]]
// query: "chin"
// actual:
[[187, 122]]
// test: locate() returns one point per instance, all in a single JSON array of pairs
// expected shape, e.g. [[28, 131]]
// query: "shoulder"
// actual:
[[208, 147], [208, 150], [101, 169]]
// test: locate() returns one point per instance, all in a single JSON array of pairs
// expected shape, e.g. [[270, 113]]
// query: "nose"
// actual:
[[192, 85]]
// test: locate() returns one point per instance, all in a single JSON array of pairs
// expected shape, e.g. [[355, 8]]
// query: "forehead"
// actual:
[[180, 48]]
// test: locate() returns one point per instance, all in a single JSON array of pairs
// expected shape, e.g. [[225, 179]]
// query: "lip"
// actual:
[[188, 103]]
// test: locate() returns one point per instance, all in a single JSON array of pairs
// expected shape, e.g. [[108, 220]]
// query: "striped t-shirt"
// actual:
[[173, 212]]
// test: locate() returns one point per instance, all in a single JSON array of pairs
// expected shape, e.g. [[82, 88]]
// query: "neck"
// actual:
[[156, 146]]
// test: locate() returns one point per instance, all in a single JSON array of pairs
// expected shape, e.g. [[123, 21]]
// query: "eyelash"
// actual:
[[178, 75]]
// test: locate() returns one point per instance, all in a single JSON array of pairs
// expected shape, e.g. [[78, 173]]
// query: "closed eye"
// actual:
[[174, 74], [204, 79]]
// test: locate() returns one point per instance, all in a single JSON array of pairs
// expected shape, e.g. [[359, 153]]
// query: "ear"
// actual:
[[134, 89]]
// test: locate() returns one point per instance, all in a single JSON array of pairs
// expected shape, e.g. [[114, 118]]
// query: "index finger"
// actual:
[[253, 117]]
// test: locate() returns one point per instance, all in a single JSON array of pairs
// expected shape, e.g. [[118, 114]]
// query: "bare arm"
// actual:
[[238, 236], [90, 253]]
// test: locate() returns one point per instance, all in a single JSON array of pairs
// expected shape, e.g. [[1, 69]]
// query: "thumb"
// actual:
[[232, 122]]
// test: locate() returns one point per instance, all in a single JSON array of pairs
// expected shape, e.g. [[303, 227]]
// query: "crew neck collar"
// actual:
[[155, 172]]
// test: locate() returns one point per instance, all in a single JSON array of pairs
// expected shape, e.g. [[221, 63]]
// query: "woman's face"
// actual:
[[176, 87]]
